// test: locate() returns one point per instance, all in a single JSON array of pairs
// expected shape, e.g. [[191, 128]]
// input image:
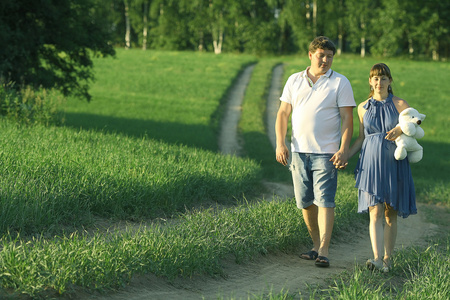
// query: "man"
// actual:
[[320, 100]]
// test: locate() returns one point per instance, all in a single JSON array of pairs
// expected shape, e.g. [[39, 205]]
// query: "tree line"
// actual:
[[50, 43], [413, 28]]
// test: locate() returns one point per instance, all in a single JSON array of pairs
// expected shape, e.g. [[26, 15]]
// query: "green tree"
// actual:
[[296, 22], [256, 26], [388, 28], [359, 14], [169, 26], [50, 43], [431, 28]]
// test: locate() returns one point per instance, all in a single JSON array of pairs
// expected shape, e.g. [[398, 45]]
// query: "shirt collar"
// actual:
[[305, 75], [327, 74]]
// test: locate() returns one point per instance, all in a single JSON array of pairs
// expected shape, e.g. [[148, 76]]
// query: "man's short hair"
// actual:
[[322, 42]]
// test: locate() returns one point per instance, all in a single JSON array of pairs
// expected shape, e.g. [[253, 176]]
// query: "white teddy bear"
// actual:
[[409, 121]]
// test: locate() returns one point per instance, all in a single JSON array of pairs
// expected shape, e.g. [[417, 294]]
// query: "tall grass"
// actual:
[[59, 176], [144, 147], [194, 245]]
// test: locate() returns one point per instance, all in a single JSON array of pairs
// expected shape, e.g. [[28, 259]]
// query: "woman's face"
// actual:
[[380, 83]]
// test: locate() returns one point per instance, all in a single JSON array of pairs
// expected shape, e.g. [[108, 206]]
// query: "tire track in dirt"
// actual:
[[228, 136], [275, 272]]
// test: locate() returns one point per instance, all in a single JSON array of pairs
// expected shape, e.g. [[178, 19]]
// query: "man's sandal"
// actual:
[[322, 261], [310, 255]]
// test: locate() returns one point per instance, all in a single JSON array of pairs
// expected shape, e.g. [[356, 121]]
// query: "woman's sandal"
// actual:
[[379, 265], [310, 255], [387, 266]]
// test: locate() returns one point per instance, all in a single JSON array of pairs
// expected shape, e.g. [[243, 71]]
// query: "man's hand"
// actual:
[[282, 153], [340, 160]]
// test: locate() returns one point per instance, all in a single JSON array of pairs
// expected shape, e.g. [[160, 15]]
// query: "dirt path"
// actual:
[[228, 136], [274, 272]]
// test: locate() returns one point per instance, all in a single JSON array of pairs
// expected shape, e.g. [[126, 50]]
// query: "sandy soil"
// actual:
[[275, 272]]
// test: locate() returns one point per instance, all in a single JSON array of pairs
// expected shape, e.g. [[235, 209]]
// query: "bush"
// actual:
[[30, 107]]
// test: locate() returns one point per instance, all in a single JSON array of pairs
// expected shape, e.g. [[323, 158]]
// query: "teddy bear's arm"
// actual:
[[419, 133]]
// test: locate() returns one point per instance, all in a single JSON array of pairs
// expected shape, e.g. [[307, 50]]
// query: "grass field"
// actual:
[[145, 151]]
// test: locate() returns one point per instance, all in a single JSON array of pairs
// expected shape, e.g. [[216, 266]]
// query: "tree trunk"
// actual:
[[363, 38], [315, 18], [436, 51], [308, 16], [145, 30], [363, 46], [127, 26], [201, 41], [218, 44], [340, 42]]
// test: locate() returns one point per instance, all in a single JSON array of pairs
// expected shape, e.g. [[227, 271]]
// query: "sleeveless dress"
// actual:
[[380, 178]]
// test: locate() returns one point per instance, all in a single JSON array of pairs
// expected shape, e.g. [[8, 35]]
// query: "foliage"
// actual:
[[48, 44], [30, 107], [387, 28]]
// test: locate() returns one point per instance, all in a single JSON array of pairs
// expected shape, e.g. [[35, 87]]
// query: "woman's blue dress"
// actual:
[[379, 176]]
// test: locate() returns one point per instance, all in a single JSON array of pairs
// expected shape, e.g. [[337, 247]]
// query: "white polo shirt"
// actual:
[[316, 122]]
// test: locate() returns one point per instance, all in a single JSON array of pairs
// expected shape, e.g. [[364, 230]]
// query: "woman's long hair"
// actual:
[[380, 69]]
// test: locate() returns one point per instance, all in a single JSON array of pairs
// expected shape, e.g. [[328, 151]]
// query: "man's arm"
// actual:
[[340, 158], [281, 124]]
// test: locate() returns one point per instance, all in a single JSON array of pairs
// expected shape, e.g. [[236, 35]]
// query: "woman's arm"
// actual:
[[395, 132], [360, 139]]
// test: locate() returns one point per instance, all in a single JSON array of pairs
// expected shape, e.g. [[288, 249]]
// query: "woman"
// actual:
[[385, 185]]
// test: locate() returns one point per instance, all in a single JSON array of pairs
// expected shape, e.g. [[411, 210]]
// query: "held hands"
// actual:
[[340, 160], [282, 153]]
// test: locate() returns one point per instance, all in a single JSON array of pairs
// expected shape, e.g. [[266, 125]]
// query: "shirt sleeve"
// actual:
[[286, 96], [345, 96]]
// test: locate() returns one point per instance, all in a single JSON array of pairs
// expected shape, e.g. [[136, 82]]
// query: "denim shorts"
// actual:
[[315, 179]]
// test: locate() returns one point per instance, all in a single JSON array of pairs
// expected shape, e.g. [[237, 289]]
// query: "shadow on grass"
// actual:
[[197, 136], [73, 200], [261, 150]]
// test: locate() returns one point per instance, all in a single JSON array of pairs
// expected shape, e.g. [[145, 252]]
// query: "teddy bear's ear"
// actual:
[[422, 117], [405, 111]]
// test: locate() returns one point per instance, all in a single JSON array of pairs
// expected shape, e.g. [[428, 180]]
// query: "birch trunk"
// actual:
[[315, 18], [363, 47], [363, 38], [201, 42], [218, 43], [127, 26], [145, 30], [436, 51], [410, 47], [340, 42]]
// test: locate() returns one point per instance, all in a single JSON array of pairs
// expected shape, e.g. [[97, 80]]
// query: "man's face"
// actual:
[[321, 61]]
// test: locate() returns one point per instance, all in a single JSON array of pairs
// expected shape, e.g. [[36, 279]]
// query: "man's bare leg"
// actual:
[[326, 222], [310, 215]]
